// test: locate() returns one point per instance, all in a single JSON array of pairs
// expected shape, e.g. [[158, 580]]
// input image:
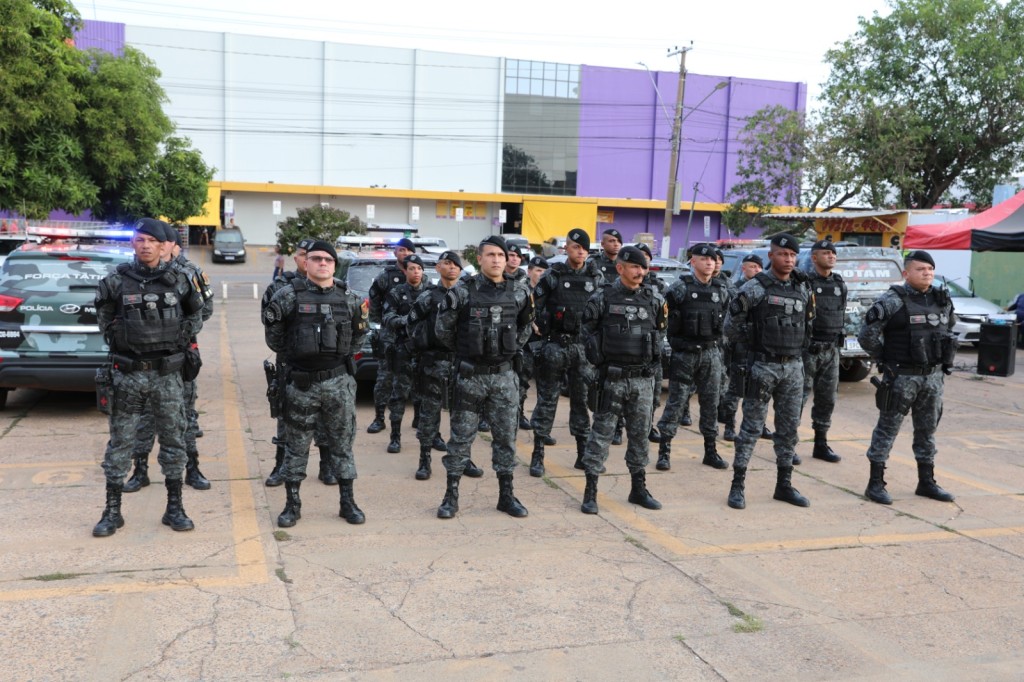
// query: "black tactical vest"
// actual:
[[606, 267], [151, 310], [569, 298], [697, 319], [918, 333], [780, 319], [422, 333], [406, 296], [320, 332], [487, 323], [628, 326], [829, 307], [281, 281]]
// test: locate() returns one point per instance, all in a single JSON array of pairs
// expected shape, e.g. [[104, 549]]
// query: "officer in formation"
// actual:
[[697, 304], [737, 360], [821, 359], [652, 279], [148, 312], [434, 362], [534, 271], [773, 313], [561, 298], [326, 473], [908, 333], [146, 435], [389, 278], [397, 304], [485, 322], [611, 242], [320, 324], [622, 324]]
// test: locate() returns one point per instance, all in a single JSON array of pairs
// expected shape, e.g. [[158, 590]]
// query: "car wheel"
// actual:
[[856, 371]]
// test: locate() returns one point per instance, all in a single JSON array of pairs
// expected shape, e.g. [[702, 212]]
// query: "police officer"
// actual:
[[821, 360], [397, 305], [561, 297], [696, 312], [434, 363], [652, 279], [773, 313], [737, 358], [390, 277], [485, 321], [534, 271], [621, 327], [148, 312], [907, 331], [611, 242], [320, 324]]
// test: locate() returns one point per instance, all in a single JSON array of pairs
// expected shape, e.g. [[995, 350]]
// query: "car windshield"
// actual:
[[229, 237], [361, 275], [956, 290], [52, 274]]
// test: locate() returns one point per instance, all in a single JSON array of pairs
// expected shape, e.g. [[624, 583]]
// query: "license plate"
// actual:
[[229, 258], [852, 344]]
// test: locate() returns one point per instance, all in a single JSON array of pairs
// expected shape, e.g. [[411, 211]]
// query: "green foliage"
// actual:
[[173, 186], [469, 255], [318, 222], [519, 171]]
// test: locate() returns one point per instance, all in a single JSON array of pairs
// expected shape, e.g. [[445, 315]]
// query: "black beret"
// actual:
[[539, 262], [753, 258], [413, 259], [922, 256], [786, 241], [702, 250], [643, 247], [153, 227], [321, 245], [407, 243], [494, 240], [177, 236], [305, 243], [613, 232], [719, 254], [824, 245], [453, 257], [516, 249], [631, 254], [169, 233], [578, 236]]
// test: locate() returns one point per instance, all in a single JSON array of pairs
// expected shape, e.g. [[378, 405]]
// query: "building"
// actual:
[[458, 146]]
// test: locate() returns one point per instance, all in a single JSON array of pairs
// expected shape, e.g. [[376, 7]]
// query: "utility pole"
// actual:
[[671, 203]]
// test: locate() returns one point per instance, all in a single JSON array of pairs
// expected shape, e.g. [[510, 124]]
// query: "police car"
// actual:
[[49, 337]]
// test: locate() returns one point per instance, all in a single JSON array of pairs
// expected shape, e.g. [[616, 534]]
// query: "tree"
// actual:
[[173, 186], [318, 222]]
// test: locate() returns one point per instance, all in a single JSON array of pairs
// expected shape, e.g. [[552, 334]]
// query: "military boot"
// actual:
[[326, 472], [484, 426], [664, 453], [686, 419], [377, 425], [111, 519], [439, 444], [524, 423], [736, 497], [549, 440], [926, 485], [274, 479], [638, 493], [193, 476], [292, 506], [589, 505], [581, 446], [450, 503], [423, 473], [537, 458], [472, 470], [822, 449], [766, 433], [876, 491], [396, 438], [140, 477], [507, 501], [654, 435], [175, 516], [349, 510], [711, 456], [729, 431], [784, 490]]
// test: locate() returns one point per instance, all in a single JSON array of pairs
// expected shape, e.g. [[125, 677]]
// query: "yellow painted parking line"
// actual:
[[250, 557]]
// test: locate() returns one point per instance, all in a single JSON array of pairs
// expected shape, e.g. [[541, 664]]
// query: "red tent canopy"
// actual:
[[1001, 228]]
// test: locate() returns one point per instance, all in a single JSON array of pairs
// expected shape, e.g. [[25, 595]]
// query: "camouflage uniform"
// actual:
[[622, 329], [606, 266], [561, 298], [772, 316], [319, 328], [908, 333], [734, 360], [389, 278], [397, 305], [821, 360], [485, 324]]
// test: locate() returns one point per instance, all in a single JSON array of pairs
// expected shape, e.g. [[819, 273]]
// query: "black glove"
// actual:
[[947, 370]]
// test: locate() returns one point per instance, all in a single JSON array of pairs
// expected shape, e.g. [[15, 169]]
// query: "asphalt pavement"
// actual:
[[846, 589]]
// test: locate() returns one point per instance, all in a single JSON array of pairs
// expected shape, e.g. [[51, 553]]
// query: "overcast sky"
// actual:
[[784, 40]]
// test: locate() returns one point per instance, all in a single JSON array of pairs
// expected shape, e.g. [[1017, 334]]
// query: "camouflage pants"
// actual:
[[431, 392], [382, 387], [921, 395], [402, 373], [632, 399], [783, 383], [328, 405], [145, 437], [554, 360], [529, 363], [497, 396], [133, 391], [701, 370], [821, 377], [729, 400]]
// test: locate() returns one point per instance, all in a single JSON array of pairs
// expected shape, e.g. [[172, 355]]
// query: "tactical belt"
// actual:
[[304, 379], [469, 369], [913, 370], [165, 364], [695, 347], [772, 357], [629, 371]]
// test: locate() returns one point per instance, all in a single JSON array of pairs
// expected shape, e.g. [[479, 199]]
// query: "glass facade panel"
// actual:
[[548, 79]]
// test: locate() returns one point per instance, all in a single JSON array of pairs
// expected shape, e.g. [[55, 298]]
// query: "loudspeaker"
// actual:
[[997, 349]]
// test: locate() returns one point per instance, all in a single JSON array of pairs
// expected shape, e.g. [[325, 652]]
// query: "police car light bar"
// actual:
[[106, 232]]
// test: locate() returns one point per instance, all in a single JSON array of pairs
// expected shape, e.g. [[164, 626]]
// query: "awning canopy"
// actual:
[[1000, 228]]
